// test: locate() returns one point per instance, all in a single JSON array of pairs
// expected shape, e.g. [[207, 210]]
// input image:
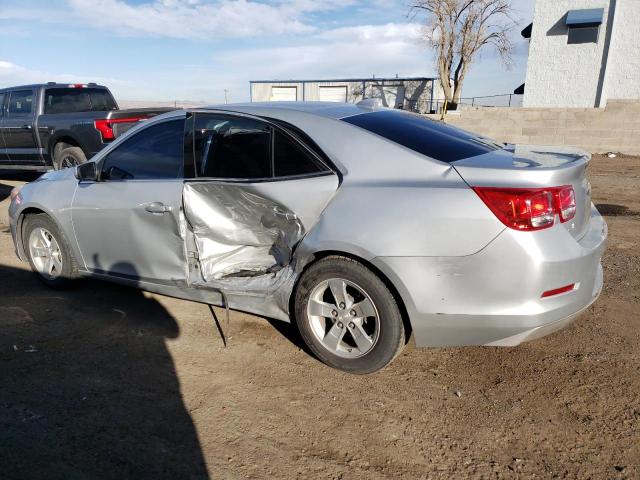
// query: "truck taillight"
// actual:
[[529, 208], [105, 126]]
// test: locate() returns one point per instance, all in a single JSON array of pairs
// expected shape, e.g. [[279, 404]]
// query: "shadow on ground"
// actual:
[[89, 390]]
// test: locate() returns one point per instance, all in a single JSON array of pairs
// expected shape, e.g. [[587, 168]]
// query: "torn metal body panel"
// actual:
[[245, 236], [238, 231]]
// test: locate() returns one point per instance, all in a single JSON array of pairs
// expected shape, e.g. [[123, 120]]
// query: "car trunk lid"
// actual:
[[530, 166]]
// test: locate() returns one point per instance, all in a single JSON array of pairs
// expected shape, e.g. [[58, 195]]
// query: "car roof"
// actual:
[[50, 85], [333, 110]]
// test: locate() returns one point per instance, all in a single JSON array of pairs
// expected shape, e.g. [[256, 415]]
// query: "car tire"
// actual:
[[48, 251], [69, 157], [361, 334]]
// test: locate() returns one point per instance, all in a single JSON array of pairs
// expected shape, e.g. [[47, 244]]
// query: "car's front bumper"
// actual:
[[494, 297]]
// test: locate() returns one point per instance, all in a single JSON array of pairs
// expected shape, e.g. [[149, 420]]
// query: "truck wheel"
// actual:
[[69, 157], [347, 316]]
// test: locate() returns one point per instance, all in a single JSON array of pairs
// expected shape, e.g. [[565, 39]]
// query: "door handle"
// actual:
[[157, 207], [26, 127]]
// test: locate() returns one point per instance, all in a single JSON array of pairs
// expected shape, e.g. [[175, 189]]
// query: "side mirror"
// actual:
[[87, 171]]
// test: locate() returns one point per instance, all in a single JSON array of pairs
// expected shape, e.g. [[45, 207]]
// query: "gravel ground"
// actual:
[[103, 381]]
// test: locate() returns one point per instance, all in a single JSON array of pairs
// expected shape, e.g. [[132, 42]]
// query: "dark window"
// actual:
[[155, 152], [433, 139], [1, 104], [583, 34], [290, 158], [68, 100], [21, 102], [232, 147]]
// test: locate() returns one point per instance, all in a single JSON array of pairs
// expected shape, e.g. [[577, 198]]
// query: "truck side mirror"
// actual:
[[87, 171]]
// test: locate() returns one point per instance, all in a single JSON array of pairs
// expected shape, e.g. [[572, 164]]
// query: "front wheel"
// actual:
[[347, 316], [47, 251]]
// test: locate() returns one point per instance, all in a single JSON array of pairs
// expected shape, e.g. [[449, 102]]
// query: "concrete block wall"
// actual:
[[615, 128]]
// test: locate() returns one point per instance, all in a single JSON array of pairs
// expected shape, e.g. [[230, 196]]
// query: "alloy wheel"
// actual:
[[343, 318], [45, 253]]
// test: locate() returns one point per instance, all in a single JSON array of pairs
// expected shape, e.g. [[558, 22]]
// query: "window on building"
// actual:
[[584, 25]]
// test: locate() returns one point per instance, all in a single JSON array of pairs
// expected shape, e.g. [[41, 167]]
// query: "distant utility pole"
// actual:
[[226, 98]]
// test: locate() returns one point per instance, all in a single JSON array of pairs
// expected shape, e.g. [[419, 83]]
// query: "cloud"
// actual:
[[186, 19], [12, 74]]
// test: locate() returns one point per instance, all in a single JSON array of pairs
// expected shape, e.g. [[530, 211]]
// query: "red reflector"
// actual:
[[529, 208], [105, 126], [558, 291]]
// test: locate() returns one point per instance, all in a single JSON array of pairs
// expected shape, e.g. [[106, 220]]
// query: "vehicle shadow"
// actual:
[[5, 189], [89, 389]]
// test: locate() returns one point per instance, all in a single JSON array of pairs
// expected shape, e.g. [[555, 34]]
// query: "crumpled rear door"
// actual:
[[251, 229]]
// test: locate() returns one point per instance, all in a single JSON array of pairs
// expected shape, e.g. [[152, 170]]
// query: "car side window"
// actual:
[[153, 153], [20, 102], [290, 158], [1, 105], [235, 147], [227, 146]]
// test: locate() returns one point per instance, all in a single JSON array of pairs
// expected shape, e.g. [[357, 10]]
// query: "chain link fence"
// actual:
[[507, 100]]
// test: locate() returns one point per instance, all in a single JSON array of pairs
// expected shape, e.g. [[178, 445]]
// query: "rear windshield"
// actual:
[[69, 100], [434, 139]]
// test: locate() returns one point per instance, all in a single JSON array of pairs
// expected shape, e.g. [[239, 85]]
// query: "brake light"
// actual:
[[529, 208], [77, 85], [105, 126]]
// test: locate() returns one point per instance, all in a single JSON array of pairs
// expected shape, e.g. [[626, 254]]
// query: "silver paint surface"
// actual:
[[463, 277]]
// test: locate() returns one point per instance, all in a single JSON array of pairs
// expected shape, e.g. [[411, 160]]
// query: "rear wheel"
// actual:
[[347, 316], [47, 251], [69, 157]]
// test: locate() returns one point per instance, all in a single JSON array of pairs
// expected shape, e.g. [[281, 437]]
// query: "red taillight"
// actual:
[[105, 126], [77, 85], [558, 291], [529, 208]]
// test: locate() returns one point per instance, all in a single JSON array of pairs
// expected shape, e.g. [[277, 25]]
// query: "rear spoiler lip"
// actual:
[[524, 166]]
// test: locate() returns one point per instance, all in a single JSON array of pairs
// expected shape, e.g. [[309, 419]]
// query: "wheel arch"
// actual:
[[62, 141], [322, 254], [20, 224]]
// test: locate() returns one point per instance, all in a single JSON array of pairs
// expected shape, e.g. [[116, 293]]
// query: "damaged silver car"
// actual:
[[361, 225]]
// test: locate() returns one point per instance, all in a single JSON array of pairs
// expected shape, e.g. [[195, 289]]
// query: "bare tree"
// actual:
[[458, 29]]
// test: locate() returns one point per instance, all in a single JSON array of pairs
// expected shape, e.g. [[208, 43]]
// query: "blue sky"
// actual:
[[195, 49]]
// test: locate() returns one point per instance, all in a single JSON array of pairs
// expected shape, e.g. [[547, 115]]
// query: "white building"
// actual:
[[583, 52], [415, 94]]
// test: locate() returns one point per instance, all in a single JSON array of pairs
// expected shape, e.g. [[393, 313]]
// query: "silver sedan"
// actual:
[[361, 225]]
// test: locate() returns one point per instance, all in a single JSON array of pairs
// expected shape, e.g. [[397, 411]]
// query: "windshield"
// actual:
[[434, 139], [69, 100]]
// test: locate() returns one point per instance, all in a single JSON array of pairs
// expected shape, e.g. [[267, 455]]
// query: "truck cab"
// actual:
[[57, 125]]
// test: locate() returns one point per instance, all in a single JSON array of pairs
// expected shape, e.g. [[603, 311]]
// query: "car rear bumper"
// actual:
[[494, 297]]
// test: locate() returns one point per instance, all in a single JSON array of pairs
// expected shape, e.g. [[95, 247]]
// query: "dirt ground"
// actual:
[[103, 381]]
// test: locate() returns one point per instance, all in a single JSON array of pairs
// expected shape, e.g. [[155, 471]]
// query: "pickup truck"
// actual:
[[55, 125]]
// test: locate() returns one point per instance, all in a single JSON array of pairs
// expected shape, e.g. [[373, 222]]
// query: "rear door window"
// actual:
[[20, 102], [226, 146], [434, 139], [153, 153], [235, 147], [70, 100]]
